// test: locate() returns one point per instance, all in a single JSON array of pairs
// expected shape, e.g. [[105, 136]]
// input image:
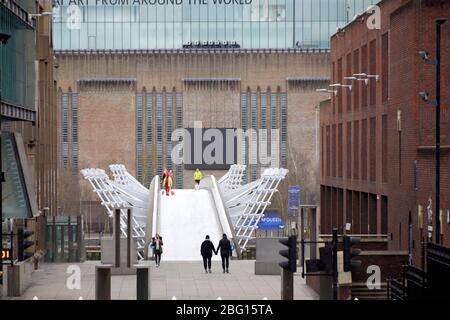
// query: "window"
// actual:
[[356, 146], [373, 149], [356, 86], [385, 66], [348, 146], [373, 71], [364, 149], [364, 70], [384, 148]]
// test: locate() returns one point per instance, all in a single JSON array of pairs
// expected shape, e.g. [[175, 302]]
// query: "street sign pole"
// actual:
[[287, 285]]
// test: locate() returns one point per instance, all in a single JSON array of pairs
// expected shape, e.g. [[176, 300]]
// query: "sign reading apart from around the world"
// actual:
[[147, 2]]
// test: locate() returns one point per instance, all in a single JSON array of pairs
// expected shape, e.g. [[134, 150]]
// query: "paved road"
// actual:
[[184, 280]]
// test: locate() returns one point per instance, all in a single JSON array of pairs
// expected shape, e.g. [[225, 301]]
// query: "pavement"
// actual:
[[184, 280]]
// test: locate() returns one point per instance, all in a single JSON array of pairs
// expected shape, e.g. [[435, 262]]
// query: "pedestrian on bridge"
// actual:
[[198, 175], [157, 244], [225, 252], [167, 183], [206, 250]]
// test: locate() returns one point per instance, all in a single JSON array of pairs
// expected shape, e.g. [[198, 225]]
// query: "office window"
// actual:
[[385, 66], [384, 148], [348, 73], [364, 70], [334, 155], [356, 85], [373, 71], [339, 79], [373, 148], [356, 147], [364, 149], [149, 138], [348, 146]]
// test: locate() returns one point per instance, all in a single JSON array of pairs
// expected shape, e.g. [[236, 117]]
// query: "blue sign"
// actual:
[[271, 221], [293, 200]]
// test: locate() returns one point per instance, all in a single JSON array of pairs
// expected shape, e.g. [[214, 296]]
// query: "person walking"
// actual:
[[163, 177], [152, 246], [225, 252], [168, 182], [206, 250], [158, 249], [198, 175]]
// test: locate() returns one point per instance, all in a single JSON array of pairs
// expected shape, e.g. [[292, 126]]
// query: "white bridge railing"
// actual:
[[244, 204]]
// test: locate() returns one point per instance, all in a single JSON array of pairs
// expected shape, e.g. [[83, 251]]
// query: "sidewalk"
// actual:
[[184, 280]]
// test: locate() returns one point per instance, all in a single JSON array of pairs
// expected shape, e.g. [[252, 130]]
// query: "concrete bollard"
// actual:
[[142, 282], [103, 282]]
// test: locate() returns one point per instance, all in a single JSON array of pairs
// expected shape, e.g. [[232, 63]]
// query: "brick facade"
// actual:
[[119, 93], [388, 132]]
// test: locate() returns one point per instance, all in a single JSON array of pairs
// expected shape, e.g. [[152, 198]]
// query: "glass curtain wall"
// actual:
[[169, 24]]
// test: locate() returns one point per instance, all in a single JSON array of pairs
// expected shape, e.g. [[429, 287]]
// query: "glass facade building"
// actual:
[[170, 24]]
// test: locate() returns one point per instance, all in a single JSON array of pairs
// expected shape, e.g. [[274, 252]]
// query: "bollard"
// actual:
[[103, 282], [287, 285], [142, 282]]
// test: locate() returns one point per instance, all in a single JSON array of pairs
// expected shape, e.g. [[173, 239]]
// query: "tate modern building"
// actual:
[[130, 73]]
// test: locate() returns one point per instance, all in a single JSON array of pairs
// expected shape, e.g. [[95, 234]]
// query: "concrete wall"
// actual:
[[267, 256], [107, 126]]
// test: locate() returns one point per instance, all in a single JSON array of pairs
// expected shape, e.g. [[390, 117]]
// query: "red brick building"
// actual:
[[378, 139]]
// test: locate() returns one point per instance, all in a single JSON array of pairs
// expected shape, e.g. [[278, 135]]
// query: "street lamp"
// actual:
[[424, 96], [339, 85], [42, 14], [366, 81], [327, 90]]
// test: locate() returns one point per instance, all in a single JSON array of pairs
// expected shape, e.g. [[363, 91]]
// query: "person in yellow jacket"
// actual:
[[197, 177]]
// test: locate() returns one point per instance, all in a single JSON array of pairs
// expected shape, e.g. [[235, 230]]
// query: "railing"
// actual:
[[152, 216], [210, 183]]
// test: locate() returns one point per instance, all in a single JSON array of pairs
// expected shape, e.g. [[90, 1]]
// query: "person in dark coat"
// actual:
[[225, 252], [206, 250]]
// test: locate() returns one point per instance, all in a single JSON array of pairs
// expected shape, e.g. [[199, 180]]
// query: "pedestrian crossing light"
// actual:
[[23, 244], [290, 254], [350, 253]]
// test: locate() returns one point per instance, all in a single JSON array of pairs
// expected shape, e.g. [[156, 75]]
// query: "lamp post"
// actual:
[[436, 103], [439, 23]]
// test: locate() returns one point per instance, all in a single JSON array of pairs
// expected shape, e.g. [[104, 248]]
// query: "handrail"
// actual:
[[152, 215], [210, 183]]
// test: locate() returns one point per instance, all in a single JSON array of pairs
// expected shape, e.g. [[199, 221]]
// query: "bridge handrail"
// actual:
[[152, 217], [210, 183]]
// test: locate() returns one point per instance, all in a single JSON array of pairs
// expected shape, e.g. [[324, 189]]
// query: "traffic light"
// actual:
[[290, 253], [326, 258], [23, 244], [350, 252]]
